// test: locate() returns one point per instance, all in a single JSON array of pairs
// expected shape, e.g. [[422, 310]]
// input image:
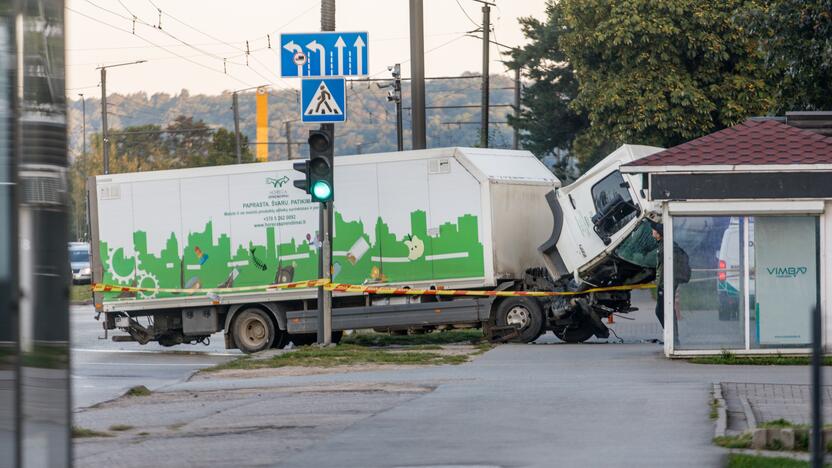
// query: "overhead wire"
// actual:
[[92, 18], [467, 15]]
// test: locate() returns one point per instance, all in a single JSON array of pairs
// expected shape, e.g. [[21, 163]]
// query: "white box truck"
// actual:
[[453, 218]]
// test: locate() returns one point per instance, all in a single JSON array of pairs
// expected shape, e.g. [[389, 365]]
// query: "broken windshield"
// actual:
[[639, 248]]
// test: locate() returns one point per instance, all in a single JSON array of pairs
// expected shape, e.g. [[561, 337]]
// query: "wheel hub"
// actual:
[[518, 316], [255, 332]]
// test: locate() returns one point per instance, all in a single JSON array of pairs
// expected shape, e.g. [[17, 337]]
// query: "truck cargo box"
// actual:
[[452, 217]]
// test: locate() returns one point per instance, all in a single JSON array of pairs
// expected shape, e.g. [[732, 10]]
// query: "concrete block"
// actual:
[[759, 439], [781, 437]]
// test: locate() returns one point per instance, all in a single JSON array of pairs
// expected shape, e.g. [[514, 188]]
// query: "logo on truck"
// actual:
[[277, 183]]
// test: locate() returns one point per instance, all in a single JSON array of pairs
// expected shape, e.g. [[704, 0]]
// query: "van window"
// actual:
[[614, 206], [77, 256]]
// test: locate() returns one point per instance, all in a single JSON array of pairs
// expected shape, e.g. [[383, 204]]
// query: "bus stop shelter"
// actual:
[[751, 206]]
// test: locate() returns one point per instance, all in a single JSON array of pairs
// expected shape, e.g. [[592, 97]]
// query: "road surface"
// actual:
[[103, 370]]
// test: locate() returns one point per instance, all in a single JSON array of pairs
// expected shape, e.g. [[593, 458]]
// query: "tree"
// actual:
[[547, 122], [224, 150], [189, 141], [796, 37], [660, 73]]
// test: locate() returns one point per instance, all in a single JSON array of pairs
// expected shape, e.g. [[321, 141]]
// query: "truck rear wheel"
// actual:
[[524, 314], [253, 331]]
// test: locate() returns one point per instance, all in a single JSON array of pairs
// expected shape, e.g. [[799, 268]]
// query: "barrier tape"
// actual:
[[382, 290]]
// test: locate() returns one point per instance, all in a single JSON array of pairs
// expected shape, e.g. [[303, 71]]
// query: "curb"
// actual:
[[722, 411]]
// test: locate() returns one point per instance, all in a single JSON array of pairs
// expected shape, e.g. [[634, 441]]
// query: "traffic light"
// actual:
[[320, 166], [303, 168]]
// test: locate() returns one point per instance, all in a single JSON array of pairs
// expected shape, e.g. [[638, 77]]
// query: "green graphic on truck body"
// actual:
[[451, 251]]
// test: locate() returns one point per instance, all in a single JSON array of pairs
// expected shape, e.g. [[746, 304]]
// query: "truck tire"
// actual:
[[523, 313], [253, 331], [312, 338]]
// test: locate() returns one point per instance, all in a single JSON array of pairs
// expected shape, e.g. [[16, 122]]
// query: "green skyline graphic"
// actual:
[[455, 251]]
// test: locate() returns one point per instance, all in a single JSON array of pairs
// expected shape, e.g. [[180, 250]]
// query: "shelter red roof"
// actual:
[[754, 142]]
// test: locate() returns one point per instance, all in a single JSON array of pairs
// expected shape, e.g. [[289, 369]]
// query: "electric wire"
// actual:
[[92, 18], [466, 15]]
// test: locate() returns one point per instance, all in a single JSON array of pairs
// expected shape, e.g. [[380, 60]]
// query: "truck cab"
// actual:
[[601, 237]]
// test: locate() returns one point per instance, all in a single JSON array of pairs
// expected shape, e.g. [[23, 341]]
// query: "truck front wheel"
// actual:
[[253, 331], [524, 314]]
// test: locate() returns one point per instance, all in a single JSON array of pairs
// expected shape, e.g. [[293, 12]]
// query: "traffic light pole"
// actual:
[[325, 257]]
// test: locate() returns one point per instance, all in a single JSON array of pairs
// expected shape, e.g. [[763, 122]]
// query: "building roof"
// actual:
[[752, 143]]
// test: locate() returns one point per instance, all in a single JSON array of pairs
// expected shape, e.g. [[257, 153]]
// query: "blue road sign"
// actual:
[[323, 100], [324, 54]]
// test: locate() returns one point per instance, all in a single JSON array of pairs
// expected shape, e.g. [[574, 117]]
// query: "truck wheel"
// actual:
[[281, 339], [522, 313], [577, 333], [253, 331]]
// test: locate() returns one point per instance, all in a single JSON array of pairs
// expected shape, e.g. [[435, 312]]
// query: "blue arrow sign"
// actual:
[[323, 100], [324, 54]]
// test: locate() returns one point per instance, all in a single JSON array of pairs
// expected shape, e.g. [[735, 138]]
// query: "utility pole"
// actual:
[[83, 122], [235, 104], [417, 74], [289, 139], [486, 30], [325, 255], [515, 144], [105, 140], [105, 132], [396, 96]]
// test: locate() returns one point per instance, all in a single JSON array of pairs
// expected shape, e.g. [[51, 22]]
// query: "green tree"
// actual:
[[660, 72], [189, 141], [223, 149], [547, 122], [796, 37]]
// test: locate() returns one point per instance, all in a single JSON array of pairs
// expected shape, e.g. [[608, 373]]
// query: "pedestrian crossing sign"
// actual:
[[323, 100]]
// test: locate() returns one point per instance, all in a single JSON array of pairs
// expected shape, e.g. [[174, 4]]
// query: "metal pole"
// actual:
[[486, 27], [289, 139], [397, 87], [104, 132], [325, 257], [515, 144], [417, 74], [84, 122], [236, 105]]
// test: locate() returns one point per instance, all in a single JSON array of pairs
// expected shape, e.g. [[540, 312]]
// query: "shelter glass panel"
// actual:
[[708, 292]]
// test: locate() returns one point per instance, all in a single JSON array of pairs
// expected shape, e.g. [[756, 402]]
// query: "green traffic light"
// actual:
[[321, 191]]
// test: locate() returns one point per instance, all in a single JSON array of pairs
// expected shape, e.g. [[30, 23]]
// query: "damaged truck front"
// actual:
[[601, 237]]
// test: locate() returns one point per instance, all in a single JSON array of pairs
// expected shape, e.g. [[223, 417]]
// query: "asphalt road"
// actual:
[[103, 369]]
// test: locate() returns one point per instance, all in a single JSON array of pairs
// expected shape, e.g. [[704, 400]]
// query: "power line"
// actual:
[[426, 52], [466, 14], [154, 44]]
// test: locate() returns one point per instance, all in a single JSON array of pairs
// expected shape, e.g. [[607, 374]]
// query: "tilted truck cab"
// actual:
[[600, 238]]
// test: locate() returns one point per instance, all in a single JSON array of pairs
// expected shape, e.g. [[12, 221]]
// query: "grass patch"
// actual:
[[741, 460], [80, 293], [714, 409], [731, 359], [120, 427], [143, 433], [734, 441], [138, 391], [434, 338], [341, 355], [82, 432]]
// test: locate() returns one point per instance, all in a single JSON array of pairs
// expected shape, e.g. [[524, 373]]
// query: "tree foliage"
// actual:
[[796, 38], [547, 121], [660, 73]]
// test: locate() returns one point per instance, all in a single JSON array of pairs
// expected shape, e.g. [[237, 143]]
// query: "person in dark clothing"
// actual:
[[658, 230]]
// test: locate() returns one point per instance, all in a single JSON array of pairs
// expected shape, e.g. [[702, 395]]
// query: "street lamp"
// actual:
[[104, 130], [84, 121]]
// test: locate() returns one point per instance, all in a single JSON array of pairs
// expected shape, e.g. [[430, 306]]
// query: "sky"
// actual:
[[201, 46]]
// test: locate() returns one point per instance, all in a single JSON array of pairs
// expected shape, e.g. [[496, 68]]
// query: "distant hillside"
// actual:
[[371, 126]]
